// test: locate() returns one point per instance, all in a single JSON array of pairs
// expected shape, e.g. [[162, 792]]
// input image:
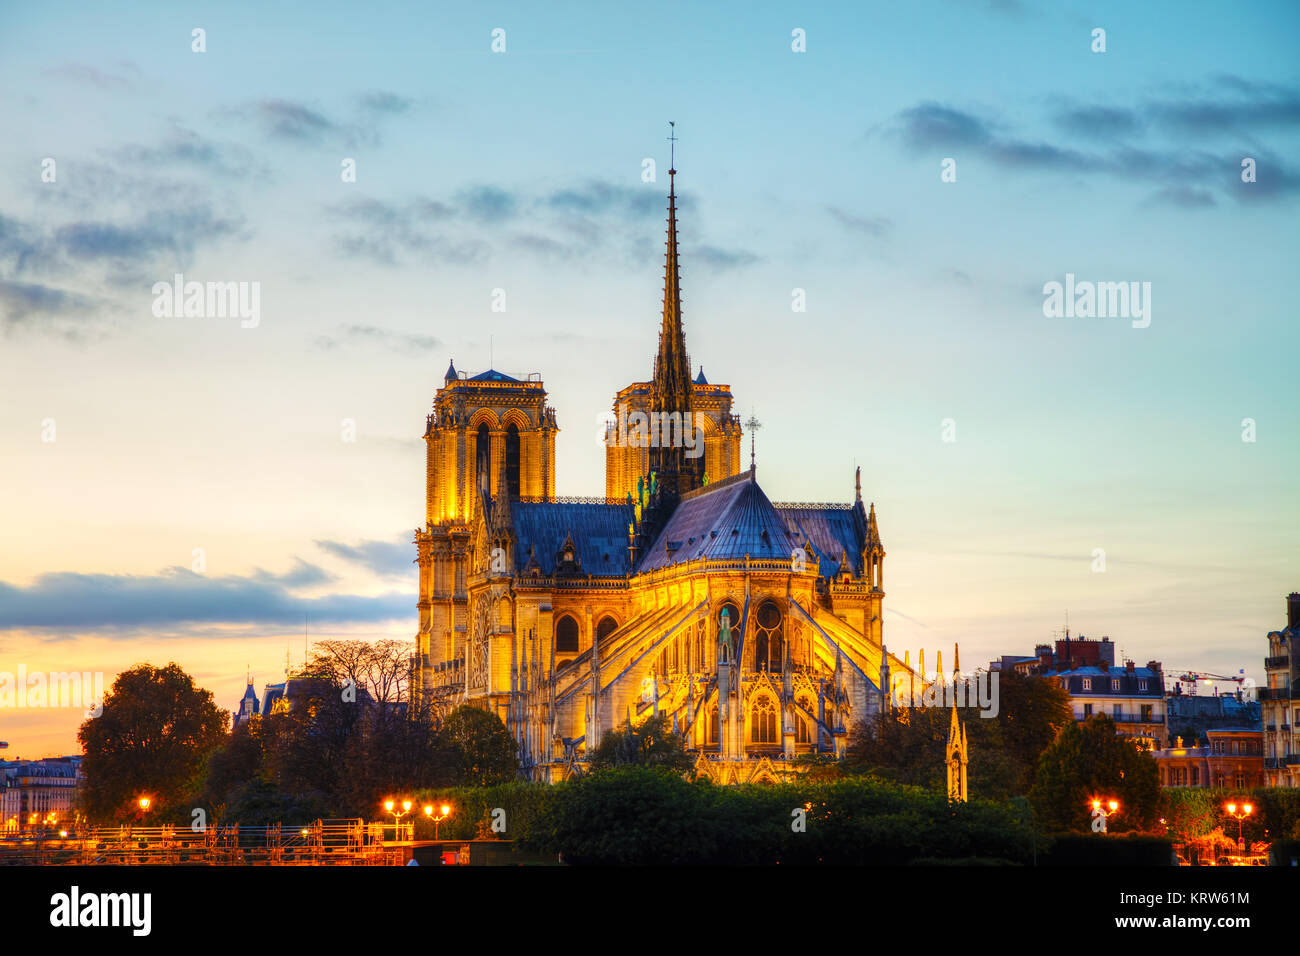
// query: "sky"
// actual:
[[180, 489]]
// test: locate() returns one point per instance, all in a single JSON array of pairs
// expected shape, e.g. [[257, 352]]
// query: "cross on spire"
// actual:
[[753, 424], [672, 149]]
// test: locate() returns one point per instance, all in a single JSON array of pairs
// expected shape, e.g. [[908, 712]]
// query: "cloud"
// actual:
[[288, 120], [382, 102], [930, 125], [126, 76], [1101, 142], [1184, 197], [168, 234], [1099, 122], [488, 203], [595, 197], [593, 220], [184, 147], [876, 226], [1240, 106], [295, 121], [384, 558], [22, 302], [723, 259], [403, 342], [177, 596]]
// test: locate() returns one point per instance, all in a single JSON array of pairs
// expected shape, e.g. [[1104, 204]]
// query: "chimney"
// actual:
[[1293, 610]]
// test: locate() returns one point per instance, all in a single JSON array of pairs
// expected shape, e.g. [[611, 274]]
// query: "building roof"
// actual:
[[834, 531], [492, 375], [598, 532], [1092, 671], [728, 520]]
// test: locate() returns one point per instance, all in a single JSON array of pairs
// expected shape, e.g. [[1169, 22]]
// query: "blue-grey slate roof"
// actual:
[[599, 533], [831, 531], [721, 522]]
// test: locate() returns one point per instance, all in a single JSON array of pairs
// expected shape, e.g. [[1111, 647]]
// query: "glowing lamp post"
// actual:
[[1103, 810], [444, 812], [391, 807], [1239, 813]]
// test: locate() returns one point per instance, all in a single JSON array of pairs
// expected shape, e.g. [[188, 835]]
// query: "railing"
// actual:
[[326, 842], [1280, 661]]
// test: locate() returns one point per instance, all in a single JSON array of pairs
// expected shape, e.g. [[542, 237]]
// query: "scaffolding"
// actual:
[[334, 842]]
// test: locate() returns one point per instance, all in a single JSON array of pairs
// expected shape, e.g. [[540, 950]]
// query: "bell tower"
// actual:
[[490, 433]]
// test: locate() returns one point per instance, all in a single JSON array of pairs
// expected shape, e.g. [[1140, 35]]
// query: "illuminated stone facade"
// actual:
[[572, 617]]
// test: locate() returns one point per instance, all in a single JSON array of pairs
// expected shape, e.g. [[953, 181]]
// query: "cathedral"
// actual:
[[685, 591]]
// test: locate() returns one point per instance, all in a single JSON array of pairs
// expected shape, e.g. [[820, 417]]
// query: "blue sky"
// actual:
[[522, 171]]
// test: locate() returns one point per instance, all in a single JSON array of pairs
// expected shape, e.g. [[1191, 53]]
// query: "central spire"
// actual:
[[670, 392]]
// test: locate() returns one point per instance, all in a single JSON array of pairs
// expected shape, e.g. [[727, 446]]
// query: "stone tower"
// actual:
[[486, 433]]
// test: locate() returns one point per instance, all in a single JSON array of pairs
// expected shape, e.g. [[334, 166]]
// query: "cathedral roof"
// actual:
[[598, 532], [834, 531], [492, 375], [700, 379], [723, 521], [451, 372]]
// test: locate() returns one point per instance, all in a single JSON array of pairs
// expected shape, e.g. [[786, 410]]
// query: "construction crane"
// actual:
[[1193, 678]]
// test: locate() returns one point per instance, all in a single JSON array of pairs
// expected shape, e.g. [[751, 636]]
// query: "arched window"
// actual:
[[483, 459], [802, 732], [768, 648], [711, 731], [606, 627], [512, 460], [762, 728], [566, 636]]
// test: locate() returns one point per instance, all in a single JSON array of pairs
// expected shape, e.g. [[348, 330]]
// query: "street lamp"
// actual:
[[1101, 812], [444, 813], [391, 807], [145, 803], [1240, 815]]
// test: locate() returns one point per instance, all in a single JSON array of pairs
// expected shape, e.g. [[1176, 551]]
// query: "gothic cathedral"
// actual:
[[755, 625]]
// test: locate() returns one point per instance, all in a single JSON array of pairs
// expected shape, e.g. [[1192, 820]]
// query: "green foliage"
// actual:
[[907, 745], [1092, 760], [651, 744], [472, 811], [153, 737], [633, 815], [1194, 813], [485, 752]]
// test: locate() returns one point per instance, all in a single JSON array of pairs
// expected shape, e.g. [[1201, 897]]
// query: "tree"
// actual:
[[1031, 711], [153, 736], [651, 744], [907, 744], [1091, 760], [485, 752], [237, 762]]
